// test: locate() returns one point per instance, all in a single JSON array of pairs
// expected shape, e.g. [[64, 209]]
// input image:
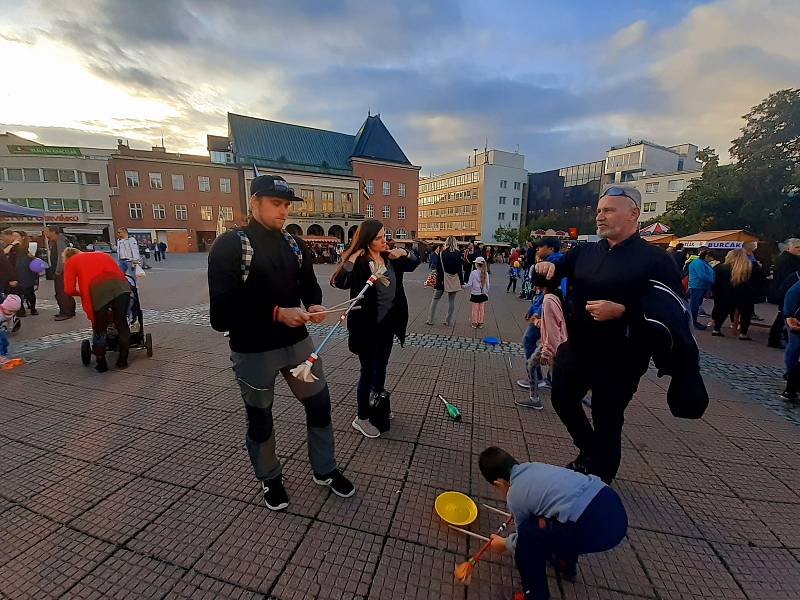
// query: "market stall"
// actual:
[[730, 239]]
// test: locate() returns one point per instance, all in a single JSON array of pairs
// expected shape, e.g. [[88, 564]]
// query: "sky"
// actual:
[[558, 81]]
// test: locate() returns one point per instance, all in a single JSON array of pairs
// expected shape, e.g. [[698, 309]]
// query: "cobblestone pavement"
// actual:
[[136, 483]]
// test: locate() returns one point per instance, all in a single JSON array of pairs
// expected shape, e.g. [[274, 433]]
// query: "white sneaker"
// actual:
[[364, 426], [524, 384], [534, 403], [544, 385]]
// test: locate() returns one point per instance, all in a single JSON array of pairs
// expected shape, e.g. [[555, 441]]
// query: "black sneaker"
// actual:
[[791, 397], [275, 496], [580, 464], [339, 484], [102, 365]]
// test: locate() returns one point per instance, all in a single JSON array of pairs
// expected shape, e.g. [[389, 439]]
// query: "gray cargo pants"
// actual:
[[256, 374]]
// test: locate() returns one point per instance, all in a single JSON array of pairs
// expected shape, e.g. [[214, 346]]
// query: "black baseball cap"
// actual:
[[273, 186], [549, 242]]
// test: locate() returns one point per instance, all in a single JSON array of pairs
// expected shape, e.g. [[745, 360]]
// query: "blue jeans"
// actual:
[[3, 343], [530, 340], [792, 353], [696, 296], [601, 527]]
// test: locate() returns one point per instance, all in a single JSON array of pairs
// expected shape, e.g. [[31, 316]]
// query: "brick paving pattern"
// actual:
[[137, 484]]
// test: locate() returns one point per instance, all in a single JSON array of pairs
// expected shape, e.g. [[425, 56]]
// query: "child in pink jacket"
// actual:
[[554, 333]]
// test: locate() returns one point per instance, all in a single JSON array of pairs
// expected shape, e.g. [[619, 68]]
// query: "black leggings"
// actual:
[[512, 285], [723, 310], [373, 369], [119, 316], [28, 296]]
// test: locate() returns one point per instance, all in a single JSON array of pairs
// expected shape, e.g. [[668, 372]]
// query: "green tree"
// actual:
[[507, 235]]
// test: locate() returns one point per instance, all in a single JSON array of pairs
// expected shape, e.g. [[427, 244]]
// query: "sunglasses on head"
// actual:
[[618, 191]]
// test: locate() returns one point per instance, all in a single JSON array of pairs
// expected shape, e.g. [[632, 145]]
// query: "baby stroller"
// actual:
[[139, 339]]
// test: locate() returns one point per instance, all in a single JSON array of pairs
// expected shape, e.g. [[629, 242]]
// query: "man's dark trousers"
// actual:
[[612, 372], [66, 303]]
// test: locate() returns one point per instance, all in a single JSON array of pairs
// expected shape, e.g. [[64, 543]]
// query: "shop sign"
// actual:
[[725, 245], [44, 150]]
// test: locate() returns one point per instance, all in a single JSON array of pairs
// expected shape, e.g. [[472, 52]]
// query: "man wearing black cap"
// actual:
[[259, 277], [607, 279]]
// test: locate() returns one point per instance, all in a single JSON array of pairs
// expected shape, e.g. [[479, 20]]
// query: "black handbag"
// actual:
[[380, 409]]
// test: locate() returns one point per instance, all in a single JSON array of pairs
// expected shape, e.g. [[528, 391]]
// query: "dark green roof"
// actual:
[[295, 147], [374, 141], [287, 146]]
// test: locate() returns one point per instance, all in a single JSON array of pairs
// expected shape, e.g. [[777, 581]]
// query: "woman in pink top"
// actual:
[[554, 333]]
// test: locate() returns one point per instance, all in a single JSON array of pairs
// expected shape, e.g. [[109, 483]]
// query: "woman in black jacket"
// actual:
[[383, 313], [449, 262], [26, 280]]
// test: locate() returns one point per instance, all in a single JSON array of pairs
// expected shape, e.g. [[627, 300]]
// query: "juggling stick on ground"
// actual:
[[463, 572], [303, 370]]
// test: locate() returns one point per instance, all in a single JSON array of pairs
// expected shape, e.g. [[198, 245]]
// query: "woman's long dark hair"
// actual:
[[365, 235]]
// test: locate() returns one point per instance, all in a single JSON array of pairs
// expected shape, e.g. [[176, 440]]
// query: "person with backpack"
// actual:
[[263, 291], [513, 275]]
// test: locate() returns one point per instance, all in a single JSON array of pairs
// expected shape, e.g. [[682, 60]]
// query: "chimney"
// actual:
[[159, 149]]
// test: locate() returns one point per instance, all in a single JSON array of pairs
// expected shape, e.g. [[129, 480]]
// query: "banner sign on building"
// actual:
[[48, 218], [726, 245], [44, 150]]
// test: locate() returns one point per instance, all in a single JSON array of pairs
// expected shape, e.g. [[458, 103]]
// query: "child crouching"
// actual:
[[559, 514]]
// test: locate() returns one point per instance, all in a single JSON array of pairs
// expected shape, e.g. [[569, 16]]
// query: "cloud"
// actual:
[[629, 36]]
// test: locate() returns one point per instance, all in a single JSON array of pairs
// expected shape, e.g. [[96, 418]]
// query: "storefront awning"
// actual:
[[81, 230]]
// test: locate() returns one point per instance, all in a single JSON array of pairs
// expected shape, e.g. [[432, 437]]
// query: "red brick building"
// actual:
[[174, 198]]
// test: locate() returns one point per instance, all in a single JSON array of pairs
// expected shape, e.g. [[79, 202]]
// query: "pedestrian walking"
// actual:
[[156, 251], [449, 280], [105, 294], [162, 246], [736, 287], [383, 314], [127, 252], [607, 279], [258, 278], [513, 275], [791, 311], [701, 278], [787, 263], [478, 285], [26, 279], [57, 243]]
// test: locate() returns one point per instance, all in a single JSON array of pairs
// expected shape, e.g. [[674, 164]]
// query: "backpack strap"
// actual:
[[247, 251]]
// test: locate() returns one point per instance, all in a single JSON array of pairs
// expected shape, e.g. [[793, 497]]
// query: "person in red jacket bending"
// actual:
[[105, 293]]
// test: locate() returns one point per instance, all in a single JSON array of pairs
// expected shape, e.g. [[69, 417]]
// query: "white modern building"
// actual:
[[661, 190], [70, 184], [472, 203], [634, 160]]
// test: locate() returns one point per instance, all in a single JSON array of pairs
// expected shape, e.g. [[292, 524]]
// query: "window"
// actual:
[[676, 185], [50, 174], [93, 206], [502, 199], [155, 181], [517, 185], [401, 214], [177, 183], [651, 188], [401, 234], [501, 216], [401, 191], [15, 174], [32, 175], [2, 174], [370, 186], [90, 178], [387, 188], [159, 212], [55, 204], [347, 202], [206, 213], [72, 205], [227, 213], [181, 213], [308, 200], [387, 234], [387, 211], [503, 183], [135, 208], [327, 202], [204, 183], [224, 185], [649, 207], [370, 211], [67, 176], [514, 216], [516, 201], [132, 180]]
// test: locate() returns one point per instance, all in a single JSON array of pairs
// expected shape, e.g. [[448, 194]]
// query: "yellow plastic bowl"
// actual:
[[456, 508]]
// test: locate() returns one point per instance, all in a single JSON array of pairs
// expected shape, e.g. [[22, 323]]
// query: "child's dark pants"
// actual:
[[601, 527]]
